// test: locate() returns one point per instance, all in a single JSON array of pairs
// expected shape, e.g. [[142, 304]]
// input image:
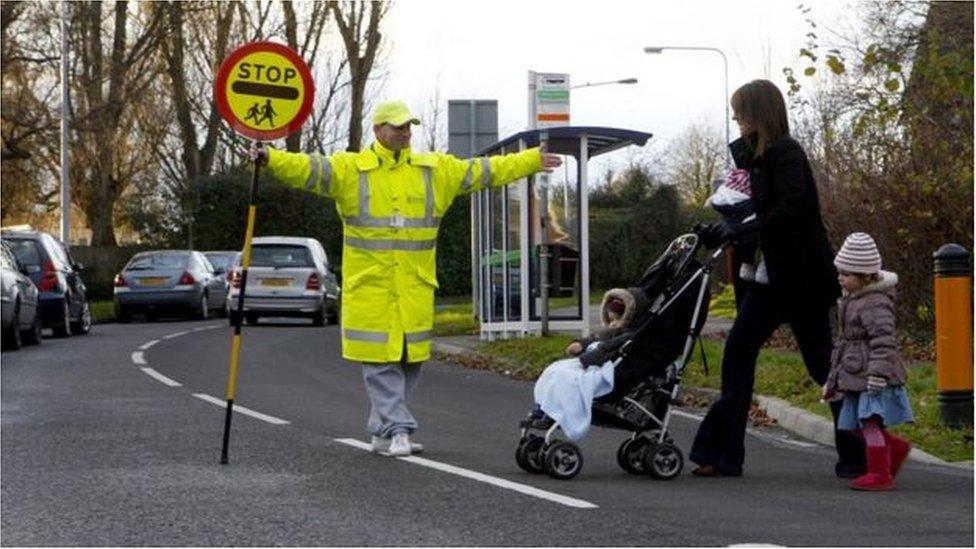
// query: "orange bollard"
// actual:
[[954, 335]]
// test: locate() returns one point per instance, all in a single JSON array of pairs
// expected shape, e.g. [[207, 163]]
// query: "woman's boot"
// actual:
[[899, 451], [878, 477]]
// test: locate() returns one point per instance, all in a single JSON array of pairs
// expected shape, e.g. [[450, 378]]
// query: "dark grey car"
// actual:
[[20, 299], [168, 281]]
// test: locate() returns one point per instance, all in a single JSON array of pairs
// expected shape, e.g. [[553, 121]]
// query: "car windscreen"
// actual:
[[27, 253], [163, 261], [280, 255], [221, 261]]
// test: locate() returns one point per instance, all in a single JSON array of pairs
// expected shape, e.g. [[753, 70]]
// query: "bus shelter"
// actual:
[[542, 216]]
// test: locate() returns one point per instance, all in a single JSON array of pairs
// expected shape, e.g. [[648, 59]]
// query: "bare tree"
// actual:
[[362, 41], [102, 110], [695, 162]]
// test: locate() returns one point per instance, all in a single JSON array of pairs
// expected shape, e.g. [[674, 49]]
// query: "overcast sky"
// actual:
[[484, 50]]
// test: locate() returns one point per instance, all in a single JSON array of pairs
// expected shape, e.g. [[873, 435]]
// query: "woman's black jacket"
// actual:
[[792, 236]]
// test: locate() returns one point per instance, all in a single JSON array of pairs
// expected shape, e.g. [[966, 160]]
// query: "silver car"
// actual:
[[164, 281], [20, 299], [288, 276]]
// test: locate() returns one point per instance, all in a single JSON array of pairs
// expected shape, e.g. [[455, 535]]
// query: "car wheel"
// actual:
[[32, 336], [333, 317], [203, 309], [122, 316], [224, 311], [11, 337], [319, 318], [84, 323], [63, 329], [252, 318]]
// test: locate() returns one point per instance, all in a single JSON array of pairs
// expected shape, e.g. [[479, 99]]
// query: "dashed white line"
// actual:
[[139, 359], [148, 344], [177, 334], [153, 373], [481, 477], [246, 411]]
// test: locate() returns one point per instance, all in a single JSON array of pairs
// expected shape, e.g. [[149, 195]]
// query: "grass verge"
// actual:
[[102, 311]]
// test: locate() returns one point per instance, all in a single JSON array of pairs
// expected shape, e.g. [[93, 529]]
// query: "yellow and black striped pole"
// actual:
[[954, 335], [235, 347]]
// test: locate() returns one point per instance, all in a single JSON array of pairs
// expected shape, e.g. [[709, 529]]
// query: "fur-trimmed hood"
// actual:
[[634, 301], [887, 283]]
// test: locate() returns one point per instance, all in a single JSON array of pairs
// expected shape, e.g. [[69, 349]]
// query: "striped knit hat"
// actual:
[[859, 255]]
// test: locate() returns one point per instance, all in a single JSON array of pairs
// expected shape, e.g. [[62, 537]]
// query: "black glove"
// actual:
[[711, 235]]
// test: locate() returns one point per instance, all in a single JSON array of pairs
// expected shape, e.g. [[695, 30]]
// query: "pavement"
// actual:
[[791, 418]]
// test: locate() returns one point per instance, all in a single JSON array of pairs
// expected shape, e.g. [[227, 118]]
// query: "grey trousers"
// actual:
[[389, 386]]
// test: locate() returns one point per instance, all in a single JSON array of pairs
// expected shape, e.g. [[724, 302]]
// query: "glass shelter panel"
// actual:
[[560, 192]]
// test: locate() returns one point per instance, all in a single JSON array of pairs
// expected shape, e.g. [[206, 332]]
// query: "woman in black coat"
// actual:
[[802, 282]]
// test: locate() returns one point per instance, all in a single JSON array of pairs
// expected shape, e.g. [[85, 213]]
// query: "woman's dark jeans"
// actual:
[[720, 439]]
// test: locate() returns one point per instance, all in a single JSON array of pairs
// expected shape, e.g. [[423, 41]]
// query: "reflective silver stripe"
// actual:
[[417, 337], [366, 220], [387, 244], [429, 206], [313, 178], [485, 171], [362, 335], [466, 183], [326, 174]]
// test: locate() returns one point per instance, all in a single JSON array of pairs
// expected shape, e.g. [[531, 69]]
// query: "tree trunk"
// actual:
[[357, 38]]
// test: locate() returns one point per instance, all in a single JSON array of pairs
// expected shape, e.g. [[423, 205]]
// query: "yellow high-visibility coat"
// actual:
[[391, 208]]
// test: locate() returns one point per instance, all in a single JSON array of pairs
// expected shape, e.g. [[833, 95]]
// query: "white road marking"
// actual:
[[148, 344], [481, 477], [246, 411], [201, 328], [138, 358], [177, 334], [748, 544], [153, 373]]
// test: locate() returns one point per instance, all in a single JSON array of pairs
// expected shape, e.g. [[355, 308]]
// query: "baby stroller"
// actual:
[[649, 362]]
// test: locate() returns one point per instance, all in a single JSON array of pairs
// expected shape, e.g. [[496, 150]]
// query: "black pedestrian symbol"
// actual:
[[267, 113], [253, 112]]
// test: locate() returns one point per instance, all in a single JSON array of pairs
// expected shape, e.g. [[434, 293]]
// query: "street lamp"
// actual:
[[590, 84], [725, 61]]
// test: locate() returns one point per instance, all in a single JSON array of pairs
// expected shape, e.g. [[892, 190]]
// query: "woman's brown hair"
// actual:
[[760, 104]]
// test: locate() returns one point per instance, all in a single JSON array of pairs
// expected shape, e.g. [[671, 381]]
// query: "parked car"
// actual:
[[19, 301], [63, 296], [168, 281], [223, 263], [288, 276]]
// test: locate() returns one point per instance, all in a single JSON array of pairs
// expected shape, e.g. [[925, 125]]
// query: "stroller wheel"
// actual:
[[563, 460], [663, 461], [528, 455], [630, 455]]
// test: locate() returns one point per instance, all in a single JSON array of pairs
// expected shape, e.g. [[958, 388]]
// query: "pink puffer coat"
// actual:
[[866, 343]]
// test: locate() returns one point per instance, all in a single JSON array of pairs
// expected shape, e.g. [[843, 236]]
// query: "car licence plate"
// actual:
[[277, 282], [153, 281]]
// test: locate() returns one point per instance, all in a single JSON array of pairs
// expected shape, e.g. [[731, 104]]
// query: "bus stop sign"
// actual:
[[264, 90]]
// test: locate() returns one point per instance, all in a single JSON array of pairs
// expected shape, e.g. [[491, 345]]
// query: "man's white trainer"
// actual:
[[388, 447]]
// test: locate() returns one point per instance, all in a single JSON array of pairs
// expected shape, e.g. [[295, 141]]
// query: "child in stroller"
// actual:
[[629, 375]]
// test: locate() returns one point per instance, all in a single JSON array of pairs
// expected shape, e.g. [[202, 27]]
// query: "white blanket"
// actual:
[[565, 392]]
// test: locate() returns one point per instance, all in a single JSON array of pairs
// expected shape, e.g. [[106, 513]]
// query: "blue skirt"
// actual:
[[891, 405]]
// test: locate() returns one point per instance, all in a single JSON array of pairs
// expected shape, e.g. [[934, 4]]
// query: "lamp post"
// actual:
[[591, 84], [725, 62]]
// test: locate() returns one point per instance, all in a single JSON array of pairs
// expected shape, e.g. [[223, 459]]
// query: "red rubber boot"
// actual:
[[878, 477], [899, 451]]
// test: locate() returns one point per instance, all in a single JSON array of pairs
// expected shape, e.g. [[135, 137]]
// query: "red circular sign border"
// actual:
[[220, 87]]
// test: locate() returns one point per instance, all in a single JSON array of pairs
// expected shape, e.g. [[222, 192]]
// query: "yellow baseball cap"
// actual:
[[394, 113]]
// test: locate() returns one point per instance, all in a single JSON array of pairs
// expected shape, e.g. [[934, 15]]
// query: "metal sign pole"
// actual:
[[235, 349], [544, 240]]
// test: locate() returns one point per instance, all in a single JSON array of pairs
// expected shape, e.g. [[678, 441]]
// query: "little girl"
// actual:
[[866, 369]]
